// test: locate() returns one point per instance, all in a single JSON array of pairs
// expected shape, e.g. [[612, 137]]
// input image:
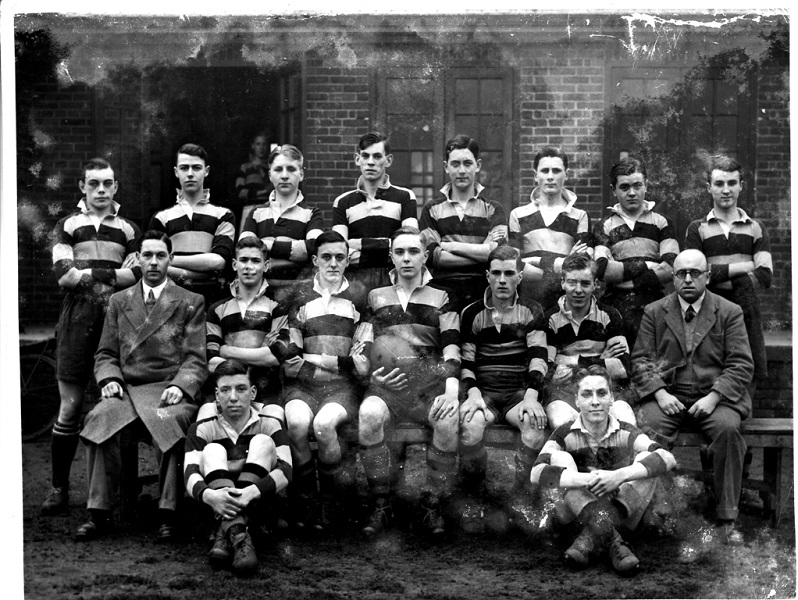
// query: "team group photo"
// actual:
[[425, 341]]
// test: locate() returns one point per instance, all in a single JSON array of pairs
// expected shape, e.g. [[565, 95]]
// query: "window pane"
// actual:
[[410, 96]]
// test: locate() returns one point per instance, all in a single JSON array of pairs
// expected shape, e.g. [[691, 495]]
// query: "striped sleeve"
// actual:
[[449, 322], [224, 236]]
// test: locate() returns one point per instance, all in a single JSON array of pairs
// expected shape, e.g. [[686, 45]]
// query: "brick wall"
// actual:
[[62, 128], [772, 187], [561, 102], [336, 115]]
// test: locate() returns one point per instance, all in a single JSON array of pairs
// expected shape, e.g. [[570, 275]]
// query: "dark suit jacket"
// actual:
[[146, 353], [721, 355]]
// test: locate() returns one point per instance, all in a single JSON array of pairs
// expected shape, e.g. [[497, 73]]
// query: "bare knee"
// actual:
[[372, 418], [262, 450], [298, 417], [531, 436], [472, 432]]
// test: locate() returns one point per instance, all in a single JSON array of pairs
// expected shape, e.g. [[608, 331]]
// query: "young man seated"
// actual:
[[600, 472], [236, 462], [581, 332], [504, 365]]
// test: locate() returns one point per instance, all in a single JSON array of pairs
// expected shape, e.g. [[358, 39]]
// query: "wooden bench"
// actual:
[[774, 436]]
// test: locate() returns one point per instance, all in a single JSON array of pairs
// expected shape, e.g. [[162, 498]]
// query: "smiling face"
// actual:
[[285, 173], [594, 399], [630, 192], [503, 277], [725, 188], [462, 169], [99, 186], [373, 162], [551, 176], [191, 172], [233, 396], [154, 260], [331, 260], [249, 265], [408, 255], [579, 286]]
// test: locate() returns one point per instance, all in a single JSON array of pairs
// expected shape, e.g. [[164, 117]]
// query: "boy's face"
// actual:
[[594, 399], [408, 255], [99, 186], [503, 277], [191, 172], [233, 396], [154, 259], [260, 147], [462, 169], [630, 192], [373, 162], [579, 286], [250, 266], [331, 260], [725, 188], [551, 175], [285, 173]]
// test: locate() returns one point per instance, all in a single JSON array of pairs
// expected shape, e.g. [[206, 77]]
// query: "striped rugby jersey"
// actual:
[[572, 345], [510, 355], [429, 323], [747, 241], [617, 449], [544, 243], [373, 220], [216, 430], [204, 228], [441, 222], [252, 177], [322, 330], [650, 239], [294, 231], [78, 243], [263, 323]]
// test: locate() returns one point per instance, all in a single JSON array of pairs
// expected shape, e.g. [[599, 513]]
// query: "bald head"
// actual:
[[690, 275]]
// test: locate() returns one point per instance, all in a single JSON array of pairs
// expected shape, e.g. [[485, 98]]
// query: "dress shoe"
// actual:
[[56, 502], [730, 534], [92, 529]]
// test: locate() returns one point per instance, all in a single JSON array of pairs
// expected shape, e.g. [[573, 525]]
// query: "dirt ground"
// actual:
[[130, 565]]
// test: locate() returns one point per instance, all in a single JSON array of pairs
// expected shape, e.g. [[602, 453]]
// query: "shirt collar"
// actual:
[[386, 183], [317, 286], [569, 314], [568, 196], [86, 210], [206, 197], [488, 299], [614, 425], [253, 418], [299, 198], [426, 277], [155, 290], [446, 190], [618, 209], [696, 305], [235, 288], [742, 216]]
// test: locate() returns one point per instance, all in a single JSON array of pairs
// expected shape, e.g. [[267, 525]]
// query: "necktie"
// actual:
[[689, 314], [150, 301]]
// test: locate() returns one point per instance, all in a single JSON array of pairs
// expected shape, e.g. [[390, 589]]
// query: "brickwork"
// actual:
[[772, 188]]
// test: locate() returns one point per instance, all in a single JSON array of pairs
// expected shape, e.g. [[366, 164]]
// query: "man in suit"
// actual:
[[149, 366], [691, 366]]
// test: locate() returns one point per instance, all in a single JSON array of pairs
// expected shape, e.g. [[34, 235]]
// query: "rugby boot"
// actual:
[[622, 558], [433, 519], [325, 511], [221, 551], [56, 501], [578, 554], [379, 520], [245, 560]]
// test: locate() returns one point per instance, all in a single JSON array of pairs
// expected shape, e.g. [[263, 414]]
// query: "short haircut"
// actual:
[[252, 241], [721, 162], [231, 367], [579, 262], [581, 373], [461, 142], [626, 166], [506, 252], [289, 151], [193, 150], [94, 164], [330, 237], [371, 138], [550, 152], [405, 230], [154, 234]]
